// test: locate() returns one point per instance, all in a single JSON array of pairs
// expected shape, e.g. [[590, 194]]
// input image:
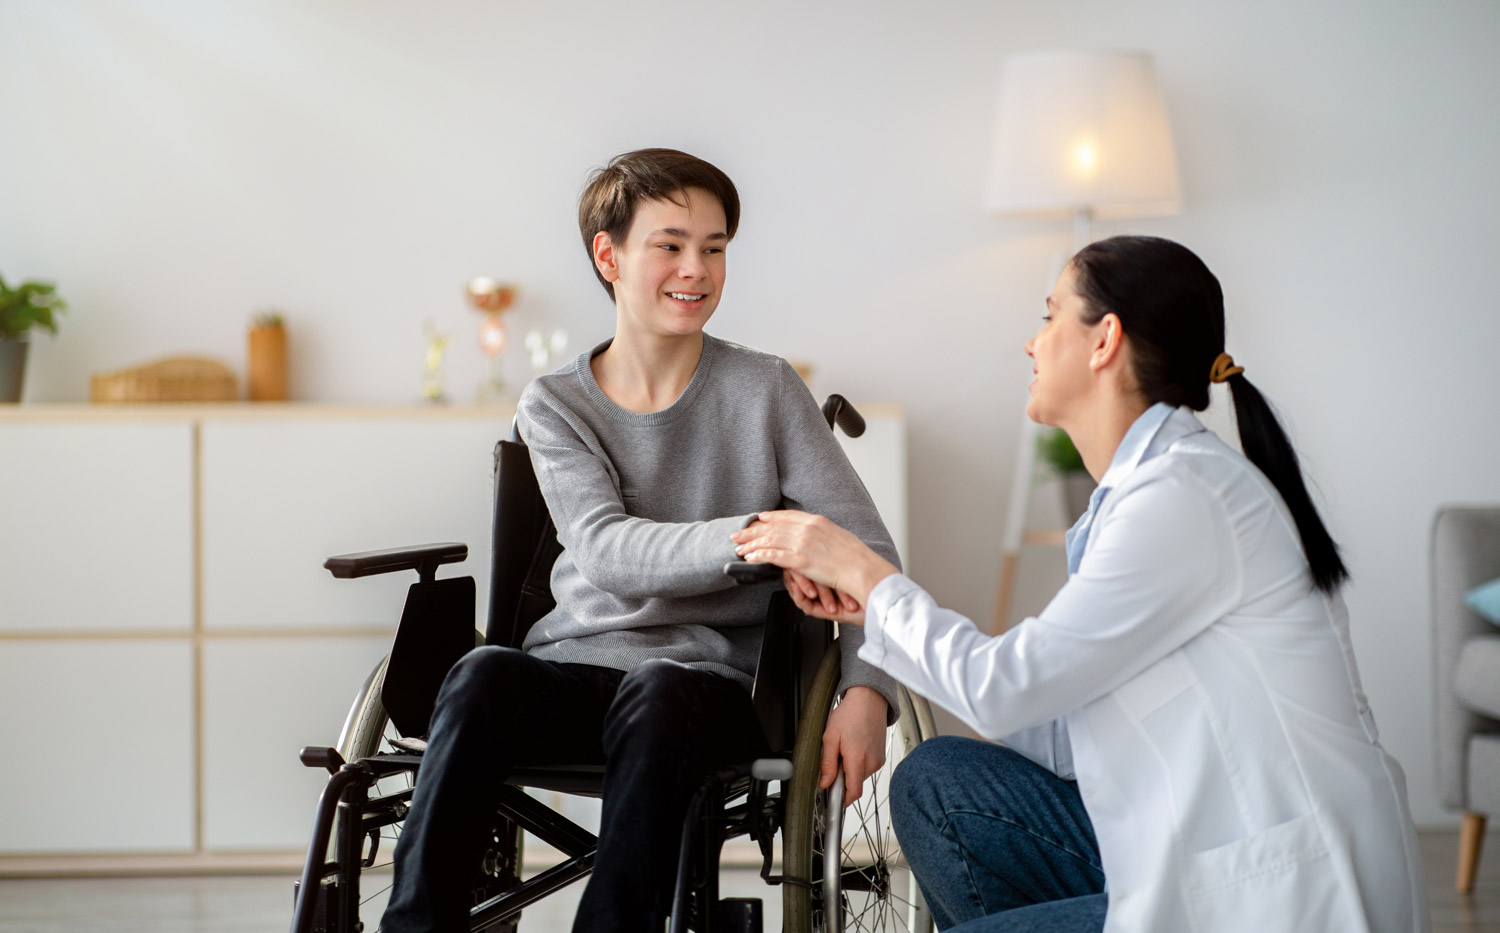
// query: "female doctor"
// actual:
[[1187, 746]]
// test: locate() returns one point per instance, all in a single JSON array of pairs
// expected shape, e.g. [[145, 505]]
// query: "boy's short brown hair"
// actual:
[[613, 193]]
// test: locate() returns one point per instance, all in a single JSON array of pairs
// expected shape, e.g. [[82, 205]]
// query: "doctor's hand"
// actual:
[[819, 551], [855, 734]]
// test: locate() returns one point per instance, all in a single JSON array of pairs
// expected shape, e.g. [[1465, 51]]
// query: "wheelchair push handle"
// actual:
[[838, 410]]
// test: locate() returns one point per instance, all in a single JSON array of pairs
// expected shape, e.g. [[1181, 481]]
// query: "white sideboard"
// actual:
[[168, 637]]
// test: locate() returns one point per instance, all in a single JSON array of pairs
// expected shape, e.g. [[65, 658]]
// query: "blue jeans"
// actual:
[[997, 842]]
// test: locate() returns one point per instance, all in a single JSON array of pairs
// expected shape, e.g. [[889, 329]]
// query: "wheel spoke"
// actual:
[[370, 898]]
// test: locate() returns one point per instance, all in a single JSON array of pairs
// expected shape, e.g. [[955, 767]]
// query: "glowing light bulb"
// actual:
[[1086, 157]]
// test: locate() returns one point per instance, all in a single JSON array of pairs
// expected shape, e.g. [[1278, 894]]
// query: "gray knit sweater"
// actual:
[[644, 505]]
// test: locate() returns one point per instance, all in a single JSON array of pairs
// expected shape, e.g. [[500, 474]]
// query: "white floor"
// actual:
[[243, 905], [258, 904]]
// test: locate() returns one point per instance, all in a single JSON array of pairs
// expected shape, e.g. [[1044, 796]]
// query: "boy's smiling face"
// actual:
[[669, 273]]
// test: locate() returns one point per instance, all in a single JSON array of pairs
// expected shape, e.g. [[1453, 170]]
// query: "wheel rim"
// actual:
[[877, 890]]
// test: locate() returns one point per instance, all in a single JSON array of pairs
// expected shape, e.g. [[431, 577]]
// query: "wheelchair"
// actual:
[[839, 869]]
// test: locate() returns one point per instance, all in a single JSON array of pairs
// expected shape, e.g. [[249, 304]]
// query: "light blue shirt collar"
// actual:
[[1144, 440]]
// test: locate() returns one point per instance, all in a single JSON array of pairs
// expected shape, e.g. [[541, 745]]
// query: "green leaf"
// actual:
[[29, 305], [1056, 448]]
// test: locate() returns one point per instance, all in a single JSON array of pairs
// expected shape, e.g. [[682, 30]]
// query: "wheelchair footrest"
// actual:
[[412, 745], [317, 756]]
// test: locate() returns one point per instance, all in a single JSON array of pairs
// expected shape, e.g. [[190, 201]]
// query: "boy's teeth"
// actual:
[[681, 296]]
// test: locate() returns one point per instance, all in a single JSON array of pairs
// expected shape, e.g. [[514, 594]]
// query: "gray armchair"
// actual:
[[1466, 657]]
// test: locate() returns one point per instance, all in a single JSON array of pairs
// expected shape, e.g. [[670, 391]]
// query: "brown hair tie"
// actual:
[[1223, 368]]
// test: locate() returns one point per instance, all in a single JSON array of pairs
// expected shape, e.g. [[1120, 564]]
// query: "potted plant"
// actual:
[[28, 305], [1056, 449]]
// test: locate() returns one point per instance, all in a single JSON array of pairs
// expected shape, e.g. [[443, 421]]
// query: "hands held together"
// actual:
[[829, 572]]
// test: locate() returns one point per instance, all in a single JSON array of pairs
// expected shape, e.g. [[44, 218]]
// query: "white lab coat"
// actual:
[[1203, 692]]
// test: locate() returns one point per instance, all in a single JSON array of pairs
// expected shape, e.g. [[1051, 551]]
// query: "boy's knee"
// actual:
[[655, 699], [658, 682], [477, 673]]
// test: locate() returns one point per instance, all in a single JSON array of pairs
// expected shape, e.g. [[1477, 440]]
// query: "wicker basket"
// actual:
[[175, 379]]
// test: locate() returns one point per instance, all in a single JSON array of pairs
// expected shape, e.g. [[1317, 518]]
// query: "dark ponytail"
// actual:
[[1266, 445], [1172, 309]]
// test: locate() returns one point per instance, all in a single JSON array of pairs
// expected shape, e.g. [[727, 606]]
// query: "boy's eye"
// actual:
[[714, 249], [669, 247]]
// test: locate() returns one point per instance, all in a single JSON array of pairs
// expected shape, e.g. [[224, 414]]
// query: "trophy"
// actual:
[[491, 298]]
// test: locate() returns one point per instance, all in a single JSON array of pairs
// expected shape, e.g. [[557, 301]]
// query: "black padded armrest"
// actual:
[[423, 558], [743, 571]]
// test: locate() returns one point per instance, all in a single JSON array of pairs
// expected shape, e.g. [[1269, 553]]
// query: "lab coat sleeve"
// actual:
[[1161, 567]]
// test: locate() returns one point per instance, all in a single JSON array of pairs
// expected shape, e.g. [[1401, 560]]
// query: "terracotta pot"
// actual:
[[267, 377]]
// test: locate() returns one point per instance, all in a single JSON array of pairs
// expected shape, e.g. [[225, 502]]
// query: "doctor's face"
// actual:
[[1060, 356]]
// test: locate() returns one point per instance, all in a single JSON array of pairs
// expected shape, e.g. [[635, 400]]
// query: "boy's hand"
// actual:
[[856, 734], [820, 602]]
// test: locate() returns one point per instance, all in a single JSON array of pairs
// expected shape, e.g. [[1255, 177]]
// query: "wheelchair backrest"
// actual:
[[523, 548]]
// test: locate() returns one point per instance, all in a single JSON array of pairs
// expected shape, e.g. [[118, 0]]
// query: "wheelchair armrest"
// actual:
[[423, 558], [744, 571]]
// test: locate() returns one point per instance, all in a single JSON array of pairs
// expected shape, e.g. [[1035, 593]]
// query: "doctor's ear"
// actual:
[[604, 257], [1109, 342]]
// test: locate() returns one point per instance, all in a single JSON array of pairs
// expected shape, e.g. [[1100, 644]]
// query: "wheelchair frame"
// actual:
[[795, 685]]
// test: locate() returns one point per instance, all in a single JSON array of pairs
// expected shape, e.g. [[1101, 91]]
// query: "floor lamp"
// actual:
[[1083, 134]]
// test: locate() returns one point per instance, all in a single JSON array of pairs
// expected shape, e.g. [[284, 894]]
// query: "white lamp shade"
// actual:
[[1082, 131]]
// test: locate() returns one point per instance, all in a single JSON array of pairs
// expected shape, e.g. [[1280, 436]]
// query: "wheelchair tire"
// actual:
[[360, 737], [804, 898], [364, 728], [367, 719]]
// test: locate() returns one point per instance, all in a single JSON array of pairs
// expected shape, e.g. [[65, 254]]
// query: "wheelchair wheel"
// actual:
[[364, 729], [872, 889], [360, 737]]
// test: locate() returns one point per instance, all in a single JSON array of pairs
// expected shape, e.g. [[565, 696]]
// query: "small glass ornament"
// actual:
[[434, 369]]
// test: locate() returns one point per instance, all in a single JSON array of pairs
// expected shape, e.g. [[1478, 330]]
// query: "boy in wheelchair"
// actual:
[[650, 450]]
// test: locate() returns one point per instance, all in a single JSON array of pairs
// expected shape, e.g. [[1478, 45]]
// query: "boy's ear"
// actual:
[[604, 257]]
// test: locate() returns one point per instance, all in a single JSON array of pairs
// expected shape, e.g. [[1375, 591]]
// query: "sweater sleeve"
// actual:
[[616, 552], [816, 477]]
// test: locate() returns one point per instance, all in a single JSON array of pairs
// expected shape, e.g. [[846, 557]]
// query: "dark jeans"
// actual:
[[658, 730], [997, 842]]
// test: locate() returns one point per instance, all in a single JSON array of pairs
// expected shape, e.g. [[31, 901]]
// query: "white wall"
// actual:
[[175, 166]]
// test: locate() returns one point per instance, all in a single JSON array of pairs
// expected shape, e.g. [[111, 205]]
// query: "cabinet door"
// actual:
[[263, 699], [101, 737], [281, 497], [96, 527]]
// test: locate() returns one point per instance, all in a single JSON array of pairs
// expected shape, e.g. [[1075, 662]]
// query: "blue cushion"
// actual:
[[1485, 600]]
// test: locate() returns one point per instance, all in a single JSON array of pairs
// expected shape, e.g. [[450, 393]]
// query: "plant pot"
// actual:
[[267, 364], [12, 368], [1077, 488]]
